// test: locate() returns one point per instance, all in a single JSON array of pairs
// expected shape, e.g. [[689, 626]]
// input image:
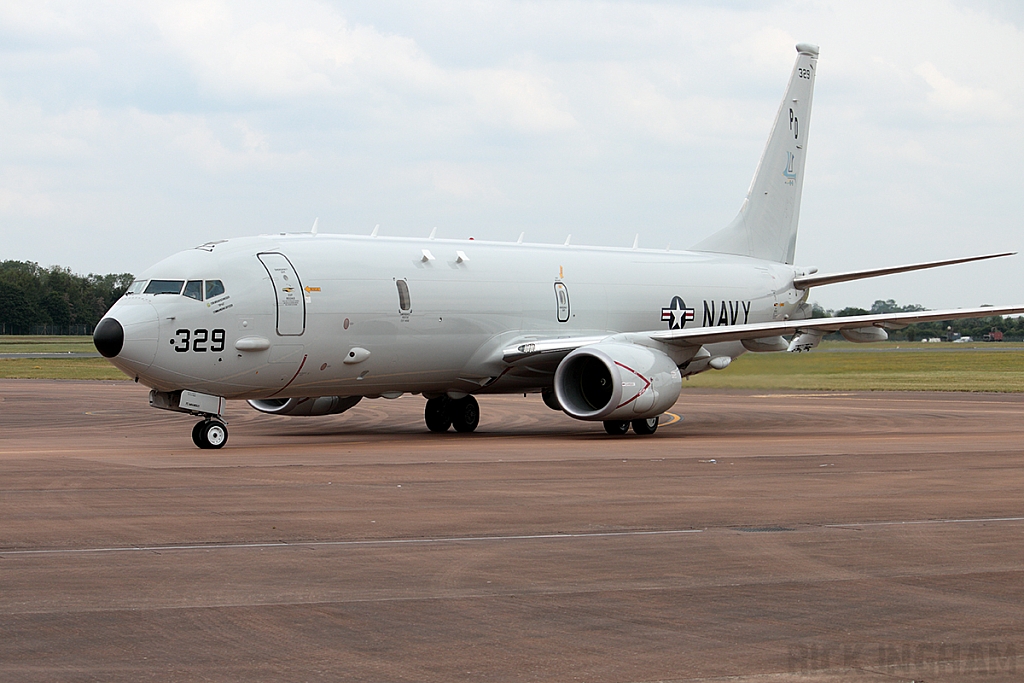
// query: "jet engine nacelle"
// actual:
[[865, 335], [616, 381], [323, 405]]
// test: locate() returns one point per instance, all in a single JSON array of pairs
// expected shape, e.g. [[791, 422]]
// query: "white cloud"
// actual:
[[949, 96], [25, 203], [275, 53]]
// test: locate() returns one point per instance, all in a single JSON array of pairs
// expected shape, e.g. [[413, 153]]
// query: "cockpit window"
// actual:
[[164, 287], [214, 288], [136, 287], [194, 290]]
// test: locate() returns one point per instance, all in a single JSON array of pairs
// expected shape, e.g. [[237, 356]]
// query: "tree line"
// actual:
[[54, 300]]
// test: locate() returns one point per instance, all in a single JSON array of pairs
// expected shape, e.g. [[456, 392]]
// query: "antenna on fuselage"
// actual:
[[433, 233], [567, 240], [636, 241], [315, 221], [521, 236], [375, 229]]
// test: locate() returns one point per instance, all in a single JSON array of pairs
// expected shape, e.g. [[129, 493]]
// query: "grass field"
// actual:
[[16, 344], [891, 366], [58, 368], [834, 366]]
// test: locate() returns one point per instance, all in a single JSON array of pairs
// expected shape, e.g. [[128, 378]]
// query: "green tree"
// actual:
[[31, 295]]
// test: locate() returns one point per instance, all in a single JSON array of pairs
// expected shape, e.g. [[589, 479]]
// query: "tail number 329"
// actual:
[[197, 340]]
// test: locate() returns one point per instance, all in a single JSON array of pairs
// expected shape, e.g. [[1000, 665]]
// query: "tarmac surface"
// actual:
[[786, 536]]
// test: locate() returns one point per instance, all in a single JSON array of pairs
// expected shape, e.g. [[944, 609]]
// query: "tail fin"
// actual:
[[766, 225]]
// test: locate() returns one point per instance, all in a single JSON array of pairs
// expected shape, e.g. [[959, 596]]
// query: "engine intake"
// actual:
[[616, 381], [323, 405]]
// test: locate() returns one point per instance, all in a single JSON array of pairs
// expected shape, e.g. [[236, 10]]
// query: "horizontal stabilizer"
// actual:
[[808, 281]]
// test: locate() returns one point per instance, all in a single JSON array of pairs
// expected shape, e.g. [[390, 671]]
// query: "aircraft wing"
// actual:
[[892, 321], [554, 349]]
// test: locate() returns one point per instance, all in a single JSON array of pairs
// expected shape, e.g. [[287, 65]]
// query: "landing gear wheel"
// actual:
[[465, 414], [616, 427], [197, 439], [436, 414], [210, 434], [645, 427]]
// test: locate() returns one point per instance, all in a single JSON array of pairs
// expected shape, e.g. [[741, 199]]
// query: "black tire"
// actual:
[[646, 427], [213, 434], [197, 437], [437, 415], [465, 414], [616, 427]]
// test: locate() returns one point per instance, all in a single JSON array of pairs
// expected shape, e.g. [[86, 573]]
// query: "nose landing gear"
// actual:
[[210, 434]]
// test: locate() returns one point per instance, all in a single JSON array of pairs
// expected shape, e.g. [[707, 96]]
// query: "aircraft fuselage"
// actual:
[[421, 316]]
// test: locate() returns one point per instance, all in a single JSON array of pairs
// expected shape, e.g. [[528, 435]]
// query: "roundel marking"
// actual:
[[677, 314]]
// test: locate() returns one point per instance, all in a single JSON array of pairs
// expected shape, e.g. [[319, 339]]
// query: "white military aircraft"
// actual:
[[309, 324]]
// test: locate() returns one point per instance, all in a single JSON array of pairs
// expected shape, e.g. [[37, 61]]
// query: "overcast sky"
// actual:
[[134, 130]]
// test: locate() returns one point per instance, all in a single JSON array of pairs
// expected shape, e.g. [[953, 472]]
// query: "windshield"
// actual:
[[164, 287], [194, 290], [136, 287]]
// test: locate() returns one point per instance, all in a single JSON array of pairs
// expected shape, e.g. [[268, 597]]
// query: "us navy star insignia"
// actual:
[[677, 314]]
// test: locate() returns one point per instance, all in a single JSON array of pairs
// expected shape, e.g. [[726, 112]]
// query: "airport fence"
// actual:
[[56, 330]]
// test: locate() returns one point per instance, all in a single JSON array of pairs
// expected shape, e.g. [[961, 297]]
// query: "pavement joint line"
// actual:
[[930, 521], [308, 544]]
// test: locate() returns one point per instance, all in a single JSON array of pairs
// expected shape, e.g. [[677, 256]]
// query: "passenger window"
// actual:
[[164, 287], [214, 288], [404, 302], [194, 290]]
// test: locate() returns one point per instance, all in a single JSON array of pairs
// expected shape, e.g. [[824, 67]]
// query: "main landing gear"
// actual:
[[210, 434], [641, 427], [443, 412]]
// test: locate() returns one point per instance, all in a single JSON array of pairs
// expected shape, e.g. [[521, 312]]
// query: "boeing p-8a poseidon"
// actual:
[[308, 324]]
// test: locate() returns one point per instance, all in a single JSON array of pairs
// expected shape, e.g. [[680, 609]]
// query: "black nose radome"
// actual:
[[108, 337]]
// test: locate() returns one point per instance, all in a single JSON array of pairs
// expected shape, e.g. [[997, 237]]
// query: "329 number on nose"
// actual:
[[197, 340]]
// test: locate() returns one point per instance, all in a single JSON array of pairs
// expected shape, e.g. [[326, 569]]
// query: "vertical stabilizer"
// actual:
[[766, 224]]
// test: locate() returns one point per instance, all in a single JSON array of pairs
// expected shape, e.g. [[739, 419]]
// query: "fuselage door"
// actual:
[[291, 305]]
